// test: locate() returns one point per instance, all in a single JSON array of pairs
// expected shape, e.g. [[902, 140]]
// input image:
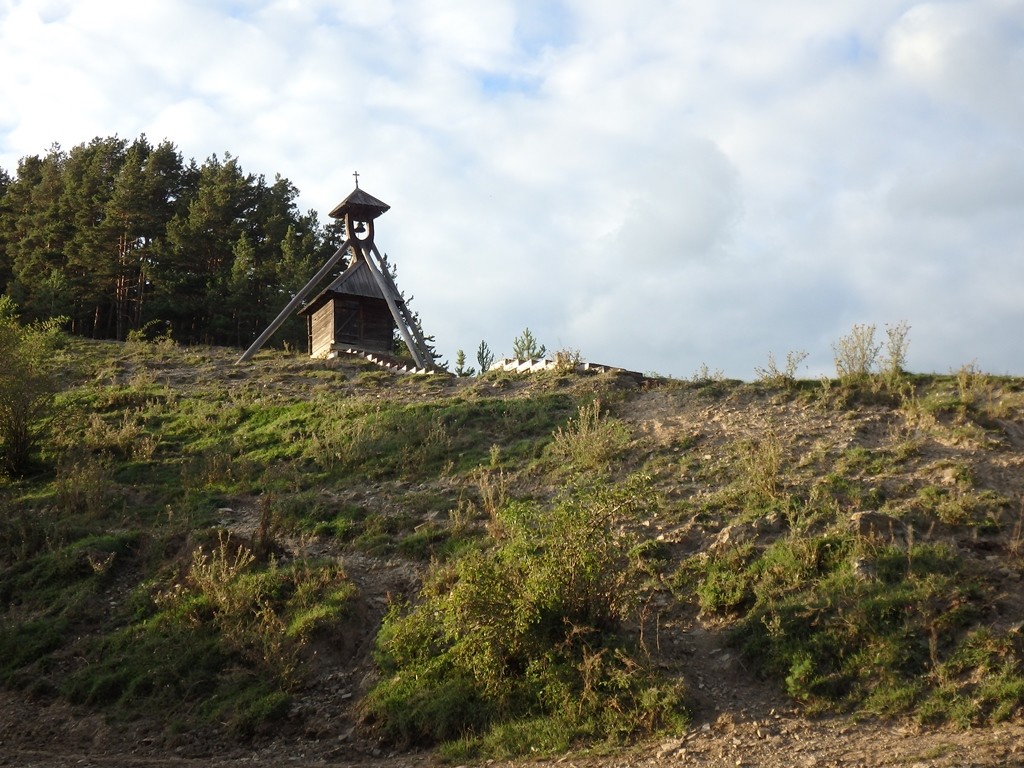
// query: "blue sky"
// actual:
[[667, 186]]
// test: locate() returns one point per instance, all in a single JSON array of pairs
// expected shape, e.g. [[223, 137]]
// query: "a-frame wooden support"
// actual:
[[292, 305], [359, 211], [406, 327]]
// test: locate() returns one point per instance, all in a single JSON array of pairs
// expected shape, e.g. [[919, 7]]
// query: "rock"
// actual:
[[742, 533], [669, 748], [864, 569]]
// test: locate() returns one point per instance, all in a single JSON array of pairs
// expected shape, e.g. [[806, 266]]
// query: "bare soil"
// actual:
[[740, 723]]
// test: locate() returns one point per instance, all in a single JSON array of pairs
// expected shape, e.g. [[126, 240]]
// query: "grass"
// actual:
[[127, 588]]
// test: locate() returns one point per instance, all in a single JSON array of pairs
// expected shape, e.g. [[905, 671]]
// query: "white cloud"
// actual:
[[956, 51], [660, 186]]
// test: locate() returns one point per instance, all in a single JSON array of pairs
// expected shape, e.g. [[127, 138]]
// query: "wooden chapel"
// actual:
[[362, 308]]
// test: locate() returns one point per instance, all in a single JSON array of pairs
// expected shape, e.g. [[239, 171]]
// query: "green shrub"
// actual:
[[848, 625], [533, 627], [28, 384]]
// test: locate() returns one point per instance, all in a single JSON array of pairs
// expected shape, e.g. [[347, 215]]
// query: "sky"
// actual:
[[671, 186]]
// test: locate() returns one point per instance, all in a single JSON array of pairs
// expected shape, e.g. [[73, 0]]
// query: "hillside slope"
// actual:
[[833, 569]]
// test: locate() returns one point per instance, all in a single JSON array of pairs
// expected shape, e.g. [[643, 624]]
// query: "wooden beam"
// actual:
[[418, 336], [390, 294], [296, 300]]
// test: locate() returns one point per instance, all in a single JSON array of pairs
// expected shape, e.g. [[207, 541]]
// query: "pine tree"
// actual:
[[6, 272], [460, 365], [35, 232], [484, 357], [525, 347], [242, 289], [115, 234], [126, 215], [196, 269], [95, 247]]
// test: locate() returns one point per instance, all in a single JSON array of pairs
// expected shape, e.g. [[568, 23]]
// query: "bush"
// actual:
[[28, 384], [263, 615], [883, 629], [533, 627], [591, 441]]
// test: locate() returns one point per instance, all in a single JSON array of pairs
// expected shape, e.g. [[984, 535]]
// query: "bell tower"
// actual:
[[360, 310]]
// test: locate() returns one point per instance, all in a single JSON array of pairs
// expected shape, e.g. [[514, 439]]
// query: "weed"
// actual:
[[492, 487], [958, 505], [85, 486], [969, 380], [772, 376], [264, 538], [1015, 546], [217, 468], [262, 615], [463, 515], [894, 361], [980, 681], [568, 360], [590, 441], [425, 542], [759, 464], [855, 354], [824, 628], [704, 376]]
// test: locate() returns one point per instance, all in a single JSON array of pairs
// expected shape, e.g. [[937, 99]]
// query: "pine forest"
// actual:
[[117, 236]]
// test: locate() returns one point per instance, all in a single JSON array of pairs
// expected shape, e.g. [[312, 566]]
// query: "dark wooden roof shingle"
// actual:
[[357, 280], [362, 207]]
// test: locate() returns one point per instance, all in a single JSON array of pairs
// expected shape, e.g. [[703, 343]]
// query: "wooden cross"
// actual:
[[356, 174]]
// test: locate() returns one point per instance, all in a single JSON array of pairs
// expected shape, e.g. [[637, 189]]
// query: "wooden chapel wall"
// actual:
[[363, 323], [321, 330]]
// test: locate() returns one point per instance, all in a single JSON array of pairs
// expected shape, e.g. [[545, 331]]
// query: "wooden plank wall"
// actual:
[[321, 330]]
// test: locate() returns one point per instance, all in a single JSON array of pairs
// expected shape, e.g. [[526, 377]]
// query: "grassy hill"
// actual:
[[325, 550]]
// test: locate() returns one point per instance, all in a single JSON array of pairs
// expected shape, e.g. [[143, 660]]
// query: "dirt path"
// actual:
[[740, 722], [54, 736]]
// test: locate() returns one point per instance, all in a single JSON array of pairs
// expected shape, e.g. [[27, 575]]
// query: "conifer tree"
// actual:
[[460, 365], [484, 357], [525, 347]]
